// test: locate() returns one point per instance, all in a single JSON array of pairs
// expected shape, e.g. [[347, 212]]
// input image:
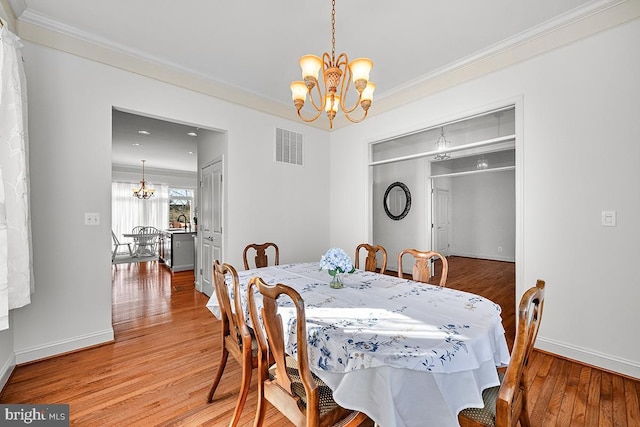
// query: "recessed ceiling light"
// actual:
[[136, 144], [192, 134], [189, 152], [144, 132]]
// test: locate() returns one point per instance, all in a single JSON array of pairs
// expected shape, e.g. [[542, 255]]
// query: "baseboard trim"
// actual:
[[64, 346], [6, 371], [589, 357], [480, 256]]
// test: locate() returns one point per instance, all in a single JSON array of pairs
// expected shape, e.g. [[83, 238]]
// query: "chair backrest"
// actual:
[[371, 263], [137, 229], [148, 230], [512, 396], [261, 259], [230, 307], [115, 238], [273, 342], [421, 271]]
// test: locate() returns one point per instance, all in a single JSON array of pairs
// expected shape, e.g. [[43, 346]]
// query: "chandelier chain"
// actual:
[[333, 31]]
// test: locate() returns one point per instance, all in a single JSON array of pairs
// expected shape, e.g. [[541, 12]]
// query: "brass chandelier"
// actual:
[[143, 192], [337, 75]]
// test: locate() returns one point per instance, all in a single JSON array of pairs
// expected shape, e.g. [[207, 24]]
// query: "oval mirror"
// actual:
[[397, 201]]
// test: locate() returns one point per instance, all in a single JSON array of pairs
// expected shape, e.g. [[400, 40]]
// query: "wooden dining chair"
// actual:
[[506, 404], [288, 384], [421, 269], [237, 338], [261, 259], [371, 263]]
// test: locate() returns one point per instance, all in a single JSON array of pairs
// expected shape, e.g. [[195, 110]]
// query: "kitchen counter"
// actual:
[[177, 249]]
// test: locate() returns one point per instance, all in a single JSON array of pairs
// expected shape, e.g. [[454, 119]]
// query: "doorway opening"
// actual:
[[173, 152], [462, 178]]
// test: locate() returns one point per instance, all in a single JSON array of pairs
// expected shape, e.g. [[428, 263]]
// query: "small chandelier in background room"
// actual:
[[143, 192], [482, 163], [337, 75], [441, 145]]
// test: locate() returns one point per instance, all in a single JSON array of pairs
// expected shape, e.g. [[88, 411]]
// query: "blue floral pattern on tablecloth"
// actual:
[[379, 320]]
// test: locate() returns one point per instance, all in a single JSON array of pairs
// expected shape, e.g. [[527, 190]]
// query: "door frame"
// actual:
[[516, 101]]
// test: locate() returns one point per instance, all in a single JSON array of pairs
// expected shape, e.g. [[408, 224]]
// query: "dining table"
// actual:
[[403, 352], [144, 244]]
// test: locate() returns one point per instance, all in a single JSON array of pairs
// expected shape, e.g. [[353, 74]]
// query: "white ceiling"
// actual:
[[255, 45], [167, 146], [252, 47]]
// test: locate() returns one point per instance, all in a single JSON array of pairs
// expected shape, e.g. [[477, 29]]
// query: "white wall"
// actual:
[[275, 202], [412, 230], [484, 216], [70, 98], [7, 356], [579, 150]]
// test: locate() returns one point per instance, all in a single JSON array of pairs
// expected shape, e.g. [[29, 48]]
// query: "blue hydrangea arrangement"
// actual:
[[336, 261]]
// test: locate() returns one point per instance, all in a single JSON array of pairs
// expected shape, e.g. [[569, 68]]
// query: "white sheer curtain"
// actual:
[[16, 274], [128, 211]]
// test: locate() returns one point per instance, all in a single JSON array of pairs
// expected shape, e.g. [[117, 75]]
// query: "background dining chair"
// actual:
[[117, 244], [261, 259], [289, 385], [421, 270], [371, 263], [148, 244], [237, 337], [506, 404]]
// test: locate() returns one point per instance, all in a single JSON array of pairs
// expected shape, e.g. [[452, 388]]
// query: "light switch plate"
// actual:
[[608, 218]]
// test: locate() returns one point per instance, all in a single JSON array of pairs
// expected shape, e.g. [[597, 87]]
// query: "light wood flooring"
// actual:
[[160, 367]]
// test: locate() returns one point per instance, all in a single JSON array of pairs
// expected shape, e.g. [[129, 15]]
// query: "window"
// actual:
[[181, 205]]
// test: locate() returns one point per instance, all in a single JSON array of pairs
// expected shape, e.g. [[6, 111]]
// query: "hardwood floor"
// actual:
[[161, 365]]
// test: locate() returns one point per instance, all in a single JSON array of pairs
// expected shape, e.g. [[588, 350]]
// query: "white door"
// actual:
[[441, 221], [211, 222]]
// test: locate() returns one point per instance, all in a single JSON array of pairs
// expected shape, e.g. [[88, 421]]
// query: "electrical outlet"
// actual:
[[499, 248], [91, 218], [609, 218]]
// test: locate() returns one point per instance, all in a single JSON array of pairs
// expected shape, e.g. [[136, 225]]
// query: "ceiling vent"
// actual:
[[288, 147]]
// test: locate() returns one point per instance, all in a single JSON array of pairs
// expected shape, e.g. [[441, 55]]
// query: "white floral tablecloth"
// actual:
[[401, 351]]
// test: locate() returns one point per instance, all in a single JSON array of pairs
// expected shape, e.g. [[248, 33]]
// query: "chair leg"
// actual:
[[216, 381], [261, 410], [244, 390], [524, 417]]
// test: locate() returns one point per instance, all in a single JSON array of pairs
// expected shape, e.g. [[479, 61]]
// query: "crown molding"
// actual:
[[46, 32], [597, 16], [123, 168], [594, 17]]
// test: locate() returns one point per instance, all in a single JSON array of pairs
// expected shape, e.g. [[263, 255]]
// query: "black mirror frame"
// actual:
[[407, 206]]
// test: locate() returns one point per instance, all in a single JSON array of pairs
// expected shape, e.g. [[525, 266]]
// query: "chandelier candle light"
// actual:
[[337, 75], [143, 192], [441, 145], [337, 262]]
